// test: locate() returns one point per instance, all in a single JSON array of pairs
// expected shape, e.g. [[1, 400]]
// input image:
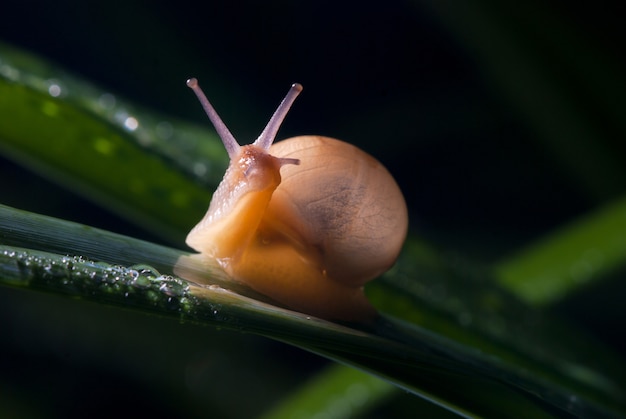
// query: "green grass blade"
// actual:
[[337, 392], [570, 258], [448, 373], [142, 166]]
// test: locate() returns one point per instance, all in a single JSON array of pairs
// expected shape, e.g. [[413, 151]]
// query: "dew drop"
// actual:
[[164, 130], [170, 286], [54, 90], [9, 72], [141, 282], [146, 270], [131, 123], [106, 101], [200, 169]]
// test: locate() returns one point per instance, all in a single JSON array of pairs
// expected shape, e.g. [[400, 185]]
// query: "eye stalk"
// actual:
[[267, 137], [231, 145]]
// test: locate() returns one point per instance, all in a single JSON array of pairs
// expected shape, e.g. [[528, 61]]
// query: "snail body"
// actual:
[[306, 221]]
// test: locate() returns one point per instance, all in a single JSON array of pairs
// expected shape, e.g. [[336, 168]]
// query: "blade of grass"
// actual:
[[569, 259], [142, 288], [337, 392], [144, 167], [451, 374]]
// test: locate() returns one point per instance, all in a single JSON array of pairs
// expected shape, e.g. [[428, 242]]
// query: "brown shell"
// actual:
[[344, 202]]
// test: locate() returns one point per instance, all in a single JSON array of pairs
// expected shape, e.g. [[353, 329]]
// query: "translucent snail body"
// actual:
[[306, 221]]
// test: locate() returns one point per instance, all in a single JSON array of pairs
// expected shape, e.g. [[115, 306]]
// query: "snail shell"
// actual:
[[306, 221]]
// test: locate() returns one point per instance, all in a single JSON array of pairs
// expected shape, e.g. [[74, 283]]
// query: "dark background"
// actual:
[[399, 79], [404, 80]]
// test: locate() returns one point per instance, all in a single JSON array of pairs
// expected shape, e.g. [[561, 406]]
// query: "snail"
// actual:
[[306, 221]]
